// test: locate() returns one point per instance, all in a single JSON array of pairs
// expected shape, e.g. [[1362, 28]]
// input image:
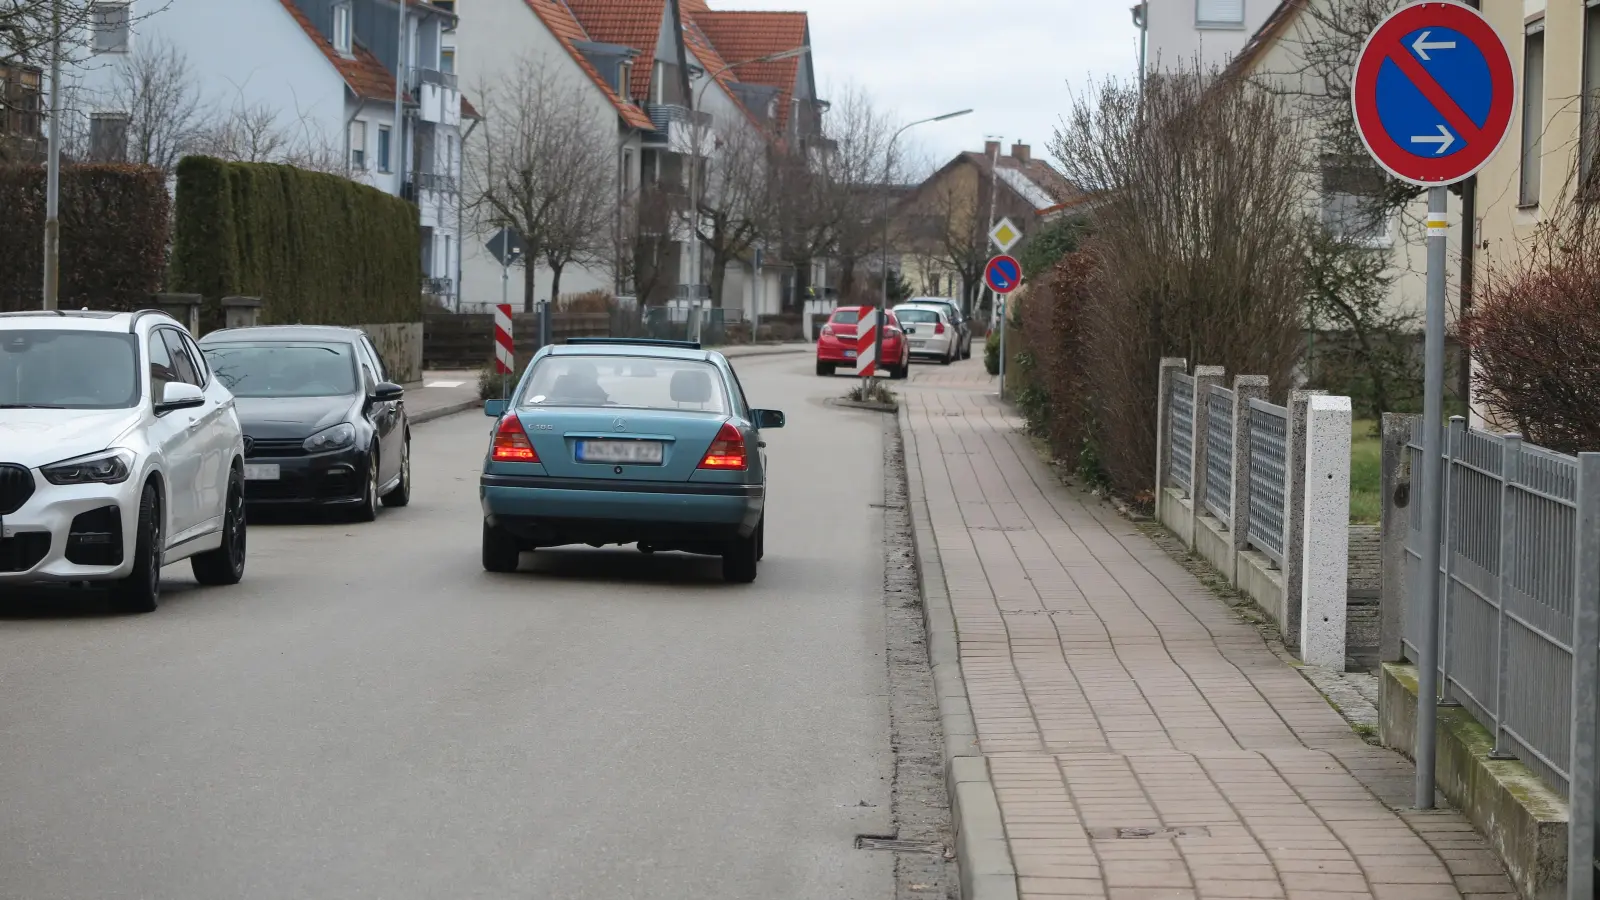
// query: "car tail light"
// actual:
[[891, 331], [727, 451], [938, 328], [511, 443]]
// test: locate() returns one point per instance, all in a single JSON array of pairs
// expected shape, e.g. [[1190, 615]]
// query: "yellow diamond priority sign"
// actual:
[[1005, 235]]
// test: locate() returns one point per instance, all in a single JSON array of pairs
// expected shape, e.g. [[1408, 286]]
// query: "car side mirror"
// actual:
[[494, 409], [179, 395], [767, 418], [386, 391]]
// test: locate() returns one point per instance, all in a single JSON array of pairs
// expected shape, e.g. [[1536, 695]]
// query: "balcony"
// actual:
[[430, 182], [676, 126], [437, 95], [438, 287]]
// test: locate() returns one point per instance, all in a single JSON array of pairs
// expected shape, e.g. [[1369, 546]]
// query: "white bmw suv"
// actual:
[[119, 453]]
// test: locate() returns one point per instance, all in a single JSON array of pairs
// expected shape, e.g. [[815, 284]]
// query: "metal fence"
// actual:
[[1181, 404], [1268, 476], [1219, 453], [1511, 589]]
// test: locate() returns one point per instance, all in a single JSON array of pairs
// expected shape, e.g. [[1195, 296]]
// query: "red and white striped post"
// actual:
[[504, 349], [867, 342]]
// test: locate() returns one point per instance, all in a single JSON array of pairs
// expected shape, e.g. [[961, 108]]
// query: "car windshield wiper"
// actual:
[[28, 406]]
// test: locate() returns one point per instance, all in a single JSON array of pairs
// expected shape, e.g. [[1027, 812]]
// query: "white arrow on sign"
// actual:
[[1422, 45], [1444, 139]]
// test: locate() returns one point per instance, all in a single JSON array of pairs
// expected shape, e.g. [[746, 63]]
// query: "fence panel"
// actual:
[[1219, 453], [1269, 466], [1509, 571], [1182, 429]]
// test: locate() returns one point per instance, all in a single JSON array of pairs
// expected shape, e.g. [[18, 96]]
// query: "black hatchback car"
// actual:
[[322, 423]]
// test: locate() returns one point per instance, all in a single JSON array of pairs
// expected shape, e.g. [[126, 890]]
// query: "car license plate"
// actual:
[[918, 343], [647, 453], [849, 354], [262, 472]]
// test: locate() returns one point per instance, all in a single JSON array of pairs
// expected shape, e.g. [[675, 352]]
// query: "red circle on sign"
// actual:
[[1010, 281], [1386, 39]]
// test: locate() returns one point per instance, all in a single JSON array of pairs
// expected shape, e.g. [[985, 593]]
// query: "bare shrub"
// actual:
[[1200, 242]]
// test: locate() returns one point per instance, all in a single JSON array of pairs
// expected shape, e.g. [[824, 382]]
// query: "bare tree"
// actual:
[[166, 119], [27, 28], [734, 202], [542, 151]]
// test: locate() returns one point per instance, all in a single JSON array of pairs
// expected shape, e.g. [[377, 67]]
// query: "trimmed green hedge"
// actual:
[[113, 236], [316, 248]]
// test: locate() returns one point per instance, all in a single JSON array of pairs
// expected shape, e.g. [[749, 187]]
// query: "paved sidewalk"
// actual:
[[1141, 740], [441, 394]]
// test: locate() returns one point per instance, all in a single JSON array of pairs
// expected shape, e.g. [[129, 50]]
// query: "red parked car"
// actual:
[[836, 346]]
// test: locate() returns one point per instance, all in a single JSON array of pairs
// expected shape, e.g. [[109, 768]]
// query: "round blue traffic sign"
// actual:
[[1433, 92], [1003, 274]]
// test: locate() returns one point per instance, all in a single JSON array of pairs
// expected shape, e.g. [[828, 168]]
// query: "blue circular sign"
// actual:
[[1003, 274]]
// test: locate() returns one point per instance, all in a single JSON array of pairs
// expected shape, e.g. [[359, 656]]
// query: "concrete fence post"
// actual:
[[1397, 494], [1325, 564], [1204, 378], [1294, 490], [1245, 389], [1170, 366], [1585, 765]]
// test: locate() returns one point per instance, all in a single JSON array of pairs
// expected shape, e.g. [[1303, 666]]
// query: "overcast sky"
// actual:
[[1015, 63]]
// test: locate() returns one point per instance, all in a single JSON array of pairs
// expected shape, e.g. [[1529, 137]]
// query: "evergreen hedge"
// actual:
[[316, 248], [113, 236]]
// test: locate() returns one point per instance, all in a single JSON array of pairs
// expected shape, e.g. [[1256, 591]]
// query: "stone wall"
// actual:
[[400, 346]]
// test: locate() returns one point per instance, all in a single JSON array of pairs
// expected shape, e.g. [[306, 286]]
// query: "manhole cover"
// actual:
[[876, 842], [1144, 833]]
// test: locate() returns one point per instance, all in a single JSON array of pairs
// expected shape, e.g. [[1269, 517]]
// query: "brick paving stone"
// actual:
[[1112, 691]]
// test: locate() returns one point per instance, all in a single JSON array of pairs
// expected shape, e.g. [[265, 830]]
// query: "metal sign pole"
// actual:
[[1000, 303], [1433, 499]]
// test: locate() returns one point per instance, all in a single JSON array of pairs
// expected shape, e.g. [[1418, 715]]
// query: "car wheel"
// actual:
[[501, 553], [824, 370], [401, 495], [948, 358], [141, 590], [225, 565], [761, 539], [739, 558], [368, 510], [900, 372]]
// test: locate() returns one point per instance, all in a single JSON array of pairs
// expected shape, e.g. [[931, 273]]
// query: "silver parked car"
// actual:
[[932, 334], [960, 322]]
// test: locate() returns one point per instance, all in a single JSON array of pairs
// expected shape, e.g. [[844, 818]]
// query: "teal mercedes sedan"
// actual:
[[623, 441]]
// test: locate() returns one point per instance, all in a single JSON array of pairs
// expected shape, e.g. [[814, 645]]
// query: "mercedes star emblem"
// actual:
[[619, 424]]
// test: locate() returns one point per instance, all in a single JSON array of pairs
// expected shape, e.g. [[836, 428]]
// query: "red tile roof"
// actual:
[[695, 38], [468, 111], [557, 17], [744, 35], [367, 77], [630, 23]]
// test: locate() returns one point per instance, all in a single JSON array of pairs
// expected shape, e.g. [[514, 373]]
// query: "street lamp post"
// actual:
[[52, 216], [883, 296], [694, 166]]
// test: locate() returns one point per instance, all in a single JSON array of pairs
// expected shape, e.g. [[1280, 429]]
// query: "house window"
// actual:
[[383, 149], [1349, 217], [108, 137], [627, 172], [341, 27], [1532, 112], [1219, 13], [110, 24], [448, 6], [20, 90], [658, 81], [624, 79], [358, 145], [447, 60], [1591, 93], [933, 284]]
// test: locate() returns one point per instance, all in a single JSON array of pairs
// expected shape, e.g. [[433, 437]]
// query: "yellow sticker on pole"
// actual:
[[1438, 227]]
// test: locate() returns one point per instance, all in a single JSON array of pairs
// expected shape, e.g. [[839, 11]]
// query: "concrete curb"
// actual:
[[982, 853], [439, 412], [735, 351]]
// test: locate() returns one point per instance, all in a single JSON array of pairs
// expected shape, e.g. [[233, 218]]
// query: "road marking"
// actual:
[[444, 384]]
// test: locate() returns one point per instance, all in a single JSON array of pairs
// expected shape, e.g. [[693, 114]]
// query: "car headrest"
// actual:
[[691, 386]]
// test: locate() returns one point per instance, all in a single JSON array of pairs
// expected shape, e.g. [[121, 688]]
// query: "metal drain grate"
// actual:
[[882, 842], [1142, 833]]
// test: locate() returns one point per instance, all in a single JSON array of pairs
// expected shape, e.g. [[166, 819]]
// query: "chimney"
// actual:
[[991, 149], [1019, 152]]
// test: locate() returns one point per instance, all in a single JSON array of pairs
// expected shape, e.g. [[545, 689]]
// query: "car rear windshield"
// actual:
[[68, 369], [626, 381], [845, 316], [916, 315], [285, 368]]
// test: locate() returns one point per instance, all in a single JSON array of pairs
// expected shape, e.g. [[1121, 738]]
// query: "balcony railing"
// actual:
[[438, 287], [664, 115], [692, 292], [429, 181], [421, 76]]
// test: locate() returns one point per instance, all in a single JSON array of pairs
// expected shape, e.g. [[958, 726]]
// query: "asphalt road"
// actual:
[[372, 715]]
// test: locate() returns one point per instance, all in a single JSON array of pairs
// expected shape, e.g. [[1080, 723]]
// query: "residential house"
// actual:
[[1276, 58], [1550, 159], [1179, 34], [940, 229], [641, 66], [311, 82]]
